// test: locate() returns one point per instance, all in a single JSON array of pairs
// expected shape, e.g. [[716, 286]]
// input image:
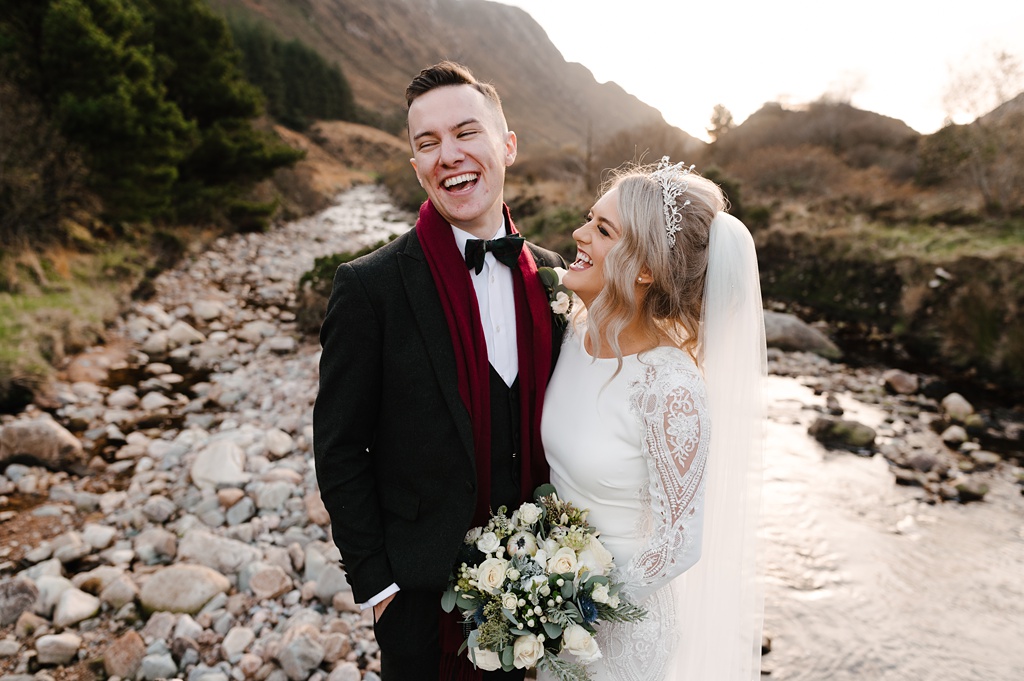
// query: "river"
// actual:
[[865, 581]]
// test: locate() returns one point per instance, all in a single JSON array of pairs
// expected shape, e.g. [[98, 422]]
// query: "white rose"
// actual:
[[563, 561], [522, 542], [529, 513], [560, 305], [487, 660], [550, 546], [560, 271], [490, 576], [588, 562], [473, 535], [600, 593], [528, 649], [603, 555], [488, 542], [509, 601], [580, 643], [614, 601]]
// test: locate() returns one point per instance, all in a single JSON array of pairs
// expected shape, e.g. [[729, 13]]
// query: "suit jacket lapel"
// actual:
[[426, 308]]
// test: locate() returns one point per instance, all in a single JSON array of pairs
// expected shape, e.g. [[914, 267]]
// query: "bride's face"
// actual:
[[594, 239]]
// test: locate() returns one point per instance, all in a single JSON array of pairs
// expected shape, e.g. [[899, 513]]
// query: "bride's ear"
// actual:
[[645, 276]]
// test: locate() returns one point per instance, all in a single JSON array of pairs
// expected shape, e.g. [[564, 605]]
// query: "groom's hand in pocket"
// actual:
[[378, 610]]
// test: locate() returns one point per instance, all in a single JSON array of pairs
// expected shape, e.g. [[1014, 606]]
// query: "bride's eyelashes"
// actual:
[[589, 217]]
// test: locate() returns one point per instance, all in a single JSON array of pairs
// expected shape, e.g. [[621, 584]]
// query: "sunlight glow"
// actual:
[[893, 58]]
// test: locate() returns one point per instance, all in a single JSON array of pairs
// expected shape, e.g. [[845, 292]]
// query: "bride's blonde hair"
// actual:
[[670, 306]]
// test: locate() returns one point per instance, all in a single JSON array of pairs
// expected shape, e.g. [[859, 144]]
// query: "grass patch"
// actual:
[[941, 242], [56, 303]]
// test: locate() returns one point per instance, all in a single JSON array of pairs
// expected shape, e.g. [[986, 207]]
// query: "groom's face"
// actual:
[[460, 151]]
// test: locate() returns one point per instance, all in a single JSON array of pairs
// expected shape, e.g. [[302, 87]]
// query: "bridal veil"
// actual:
[[719, 602]]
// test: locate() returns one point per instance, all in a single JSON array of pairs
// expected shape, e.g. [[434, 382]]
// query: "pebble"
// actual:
[[182, 588], [74, 606], [57, 649]]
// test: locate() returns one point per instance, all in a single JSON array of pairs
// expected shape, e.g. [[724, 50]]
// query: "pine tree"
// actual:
[[97, 76], [201, 69]]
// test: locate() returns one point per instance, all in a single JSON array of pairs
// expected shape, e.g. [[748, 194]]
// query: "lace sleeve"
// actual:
[[670, 402]]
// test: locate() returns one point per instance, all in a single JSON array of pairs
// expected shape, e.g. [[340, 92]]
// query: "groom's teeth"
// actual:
[[459, 179]]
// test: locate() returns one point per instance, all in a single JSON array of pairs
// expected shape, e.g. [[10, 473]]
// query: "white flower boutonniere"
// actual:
[[561, 297]]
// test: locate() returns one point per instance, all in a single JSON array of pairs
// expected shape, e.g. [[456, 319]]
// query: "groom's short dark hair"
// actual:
[[445, 74]]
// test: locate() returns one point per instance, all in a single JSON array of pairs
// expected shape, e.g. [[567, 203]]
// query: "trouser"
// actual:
[[410, 646]]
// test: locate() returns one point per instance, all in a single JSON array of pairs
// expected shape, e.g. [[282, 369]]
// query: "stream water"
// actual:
[[864, 581]]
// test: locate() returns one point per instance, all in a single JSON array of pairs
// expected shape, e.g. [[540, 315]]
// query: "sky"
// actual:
[[893, 57]]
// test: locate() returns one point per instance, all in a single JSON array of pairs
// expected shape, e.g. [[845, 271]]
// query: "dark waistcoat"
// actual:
[[505, 437]]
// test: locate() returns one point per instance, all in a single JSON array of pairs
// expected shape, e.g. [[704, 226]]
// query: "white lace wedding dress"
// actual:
[[633, 451]]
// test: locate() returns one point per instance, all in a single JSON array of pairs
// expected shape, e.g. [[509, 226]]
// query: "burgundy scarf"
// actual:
[[533, 336]]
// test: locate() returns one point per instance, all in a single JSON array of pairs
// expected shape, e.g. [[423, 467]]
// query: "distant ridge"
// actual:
[[382, 44]]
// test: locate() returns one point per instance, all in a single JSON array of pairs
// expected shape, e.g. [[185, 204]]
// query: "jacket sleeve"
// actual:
[[671, 406], [344, 418]]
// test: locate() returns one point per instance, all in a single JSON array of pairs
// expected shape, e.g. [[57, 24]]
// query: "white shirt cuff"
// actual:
[[393, 589]]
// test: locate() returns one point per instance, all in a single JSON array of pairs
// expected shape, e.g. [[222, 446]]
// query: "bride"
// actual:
[[652, 420]]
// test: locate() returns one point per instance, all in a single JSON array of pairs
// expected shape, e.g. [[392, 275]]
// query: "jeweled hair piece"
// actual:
[[671, 187]]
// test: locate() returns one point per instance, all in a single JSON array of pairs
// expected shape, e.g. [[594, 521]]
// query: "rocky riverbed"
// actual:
[[162, 519]]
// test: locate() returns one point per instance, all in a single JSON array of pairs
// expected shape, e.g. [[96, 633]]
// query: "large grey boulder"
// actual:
[[182, 588], [74, 606], [227, 556], [788, 332], [42, 440], [57, 649], [221, 463]]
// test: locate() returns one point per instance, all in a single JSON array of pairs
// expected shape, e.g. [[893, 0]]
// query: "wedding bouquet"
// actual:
[[534, 584]]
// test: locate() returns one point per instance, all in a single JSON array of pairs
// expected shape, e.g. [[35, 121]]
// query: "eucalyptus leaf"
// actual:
[[552, 630], [508, 657], [546, 489], [548, 277]]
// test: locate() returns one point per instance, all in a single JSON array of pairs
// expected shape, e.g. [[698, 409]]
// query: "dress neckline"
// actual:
[[632, 355]]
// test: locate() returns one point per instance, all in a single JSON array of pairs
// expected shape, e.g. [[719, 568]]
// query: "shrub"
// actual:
[[314, 287]]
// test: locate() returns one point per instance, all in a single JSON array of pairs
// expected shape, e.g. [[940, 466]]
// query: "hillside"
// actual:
[[382, 44]]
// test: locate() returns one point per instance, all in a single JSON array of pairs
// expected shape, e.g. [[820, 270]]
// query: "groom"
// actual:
[[437, 349]]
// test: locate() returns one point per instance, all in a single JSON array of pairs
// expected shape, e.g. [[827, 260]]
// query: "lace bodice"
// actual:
[[633, 449]]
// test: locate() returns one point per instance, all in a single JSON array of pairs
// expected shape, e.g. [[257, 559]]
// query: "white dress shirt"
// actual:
[[496, 301], [497, 305]]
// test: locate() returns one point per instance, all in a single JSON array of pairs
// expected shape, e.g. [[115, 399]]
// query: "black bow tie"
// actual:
[[506, 250]]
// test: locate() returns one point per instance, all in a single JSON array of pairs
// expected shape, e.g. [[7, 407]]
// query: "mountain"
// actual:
[[382, 44], [1008, 111]]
